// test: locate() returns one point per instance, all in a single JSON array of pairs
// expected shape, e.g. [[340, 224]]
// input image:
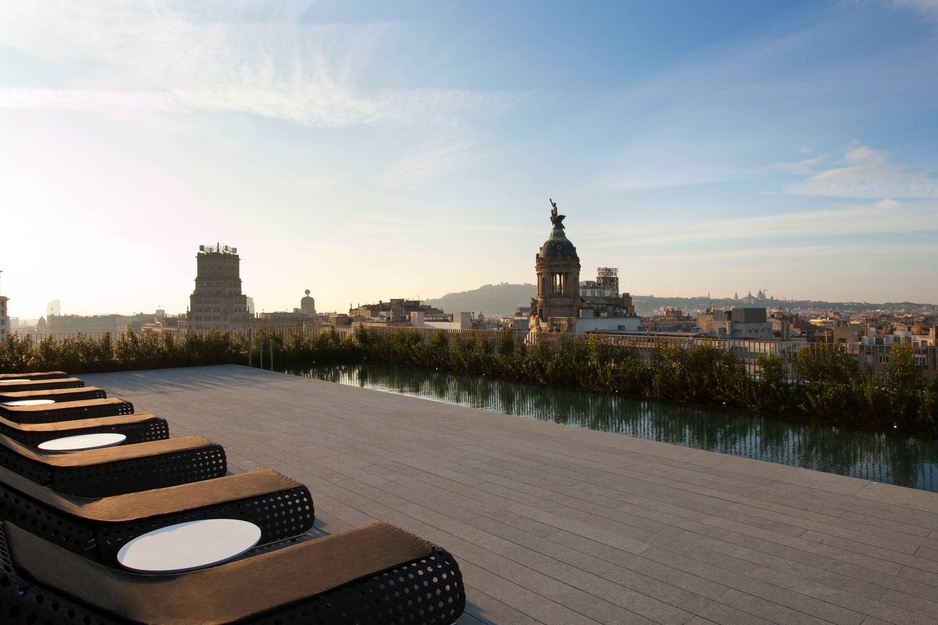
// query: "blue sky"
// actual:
[[372, 150]]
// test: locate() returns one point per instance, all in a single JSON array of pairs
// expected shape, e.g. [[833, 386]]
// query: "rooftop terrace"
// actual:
[[556, 524]]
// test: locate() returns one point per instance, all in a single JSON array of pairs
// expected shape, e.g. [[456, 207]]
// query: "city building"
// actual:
[[670, 321], [91, 325], [519, 321], [5, 328], [603, 296], [873, 351], [304, 317], [564, 304], [890, 336], [455, 321], [404, 312], [837, 330], [737, 323], [307, 305], [217, 301], [395, 311], [557, 305]]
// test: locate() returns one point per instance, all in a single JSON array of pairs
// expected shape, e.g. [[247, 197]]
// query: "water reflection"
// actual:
[[877, 457]]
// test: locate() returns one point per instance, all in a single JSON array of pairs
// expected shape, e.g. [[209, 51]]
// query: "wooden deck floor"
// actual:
[[556, 524]]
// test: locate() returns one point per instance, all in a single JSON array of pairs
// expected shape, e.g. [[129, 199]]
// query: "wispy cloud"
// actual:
[[726, 106], [799, 252], [669, 175], [427, 162], [926, 8], [83, 100], [888, 204], [800, 167], [865, 155], [888, 216], [868, 174], [385, 223], [156, 58]]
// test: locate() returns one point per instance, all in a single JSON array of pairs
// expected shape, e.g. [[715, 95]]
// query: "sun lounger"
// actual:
[[55, 394], [34, 375], [138, 428], [11, 384], [97, 528], [120, 469], [376, 575], [67, 410]]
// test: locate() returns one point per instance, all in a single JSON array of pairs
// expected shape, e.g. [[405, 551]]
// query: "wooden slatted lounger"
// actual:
[[55, 394], [120, 469], [375, 575], [97, 528], [67, 410], [39, 385], [138, 428], [34, 375]]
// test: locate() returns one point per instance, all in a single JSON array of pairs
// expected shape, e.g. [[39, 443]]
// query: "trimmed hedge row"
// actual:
[[828, 385], [130, 352]]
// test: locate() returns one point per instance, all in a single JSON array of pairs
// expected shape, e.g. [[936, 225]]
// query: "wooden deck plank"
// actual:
[[558, 524]]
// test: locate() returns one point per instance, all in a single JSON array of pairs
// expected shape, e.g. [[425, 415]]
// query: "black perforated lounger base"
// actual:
[[56, 394], [68, 410], [376, 575], [138, 428], [117, 469], [98, 528]]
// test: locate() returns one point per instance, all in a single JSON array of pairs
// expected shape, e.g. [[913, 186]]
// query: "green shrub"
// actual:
[[772, 388], [828, 377], [826, 383]]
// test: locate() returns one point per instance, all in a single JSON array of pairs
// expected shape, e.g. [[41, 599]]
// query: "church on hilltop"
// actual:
[[564, 304]]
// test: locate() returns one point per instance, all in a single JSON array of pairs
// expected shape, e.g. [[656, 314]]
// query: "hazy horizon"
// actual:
[[371, 150], [436, 299]]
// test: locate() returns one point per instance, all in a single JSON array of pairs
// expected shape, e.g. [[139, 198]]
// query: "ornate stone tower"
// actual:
[[217, 301], [308, 305], [557, 305]]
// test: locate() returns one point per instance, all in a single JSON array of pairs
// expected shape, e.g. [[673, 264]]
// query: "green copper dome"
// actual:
[[558, 246]]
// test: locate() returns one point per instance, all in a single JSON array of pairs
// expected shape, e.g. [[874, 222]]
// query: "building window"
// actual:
[[559, 281]]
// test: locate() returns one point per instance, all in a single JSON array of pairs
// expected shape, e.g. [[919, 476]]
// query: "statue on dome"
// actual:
[[555, 219]]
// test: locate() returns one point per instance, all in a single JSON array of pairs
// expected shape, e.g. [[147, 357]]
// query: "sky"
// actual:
[[369, 150]]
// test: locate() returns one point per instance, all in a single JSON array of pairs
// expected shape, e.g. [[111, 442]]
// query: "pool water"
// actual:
[[878, 457]]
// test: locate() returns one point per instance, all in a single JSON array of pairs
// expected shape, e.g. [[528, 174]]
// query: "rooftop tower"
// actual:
[[217, 301], [556, 307]]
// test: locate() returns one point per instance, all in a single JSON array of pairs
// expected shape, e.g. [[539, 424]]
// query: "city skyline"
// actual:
[[371, 150]]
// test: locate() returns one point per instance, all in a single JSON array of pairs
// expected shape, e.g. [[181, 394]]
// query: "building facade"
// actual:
[[603, 297], [4, 318], [93, 325], [395, 311], [738, 323], [557, 305], [304, 317], [217, 301], [564, 304], [307, 305], [671, 320]]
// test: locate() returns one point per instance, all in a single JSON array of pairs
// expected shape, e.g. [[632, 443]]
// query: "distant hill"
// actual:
[[493, 300], [497, 300], [650, 305]]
